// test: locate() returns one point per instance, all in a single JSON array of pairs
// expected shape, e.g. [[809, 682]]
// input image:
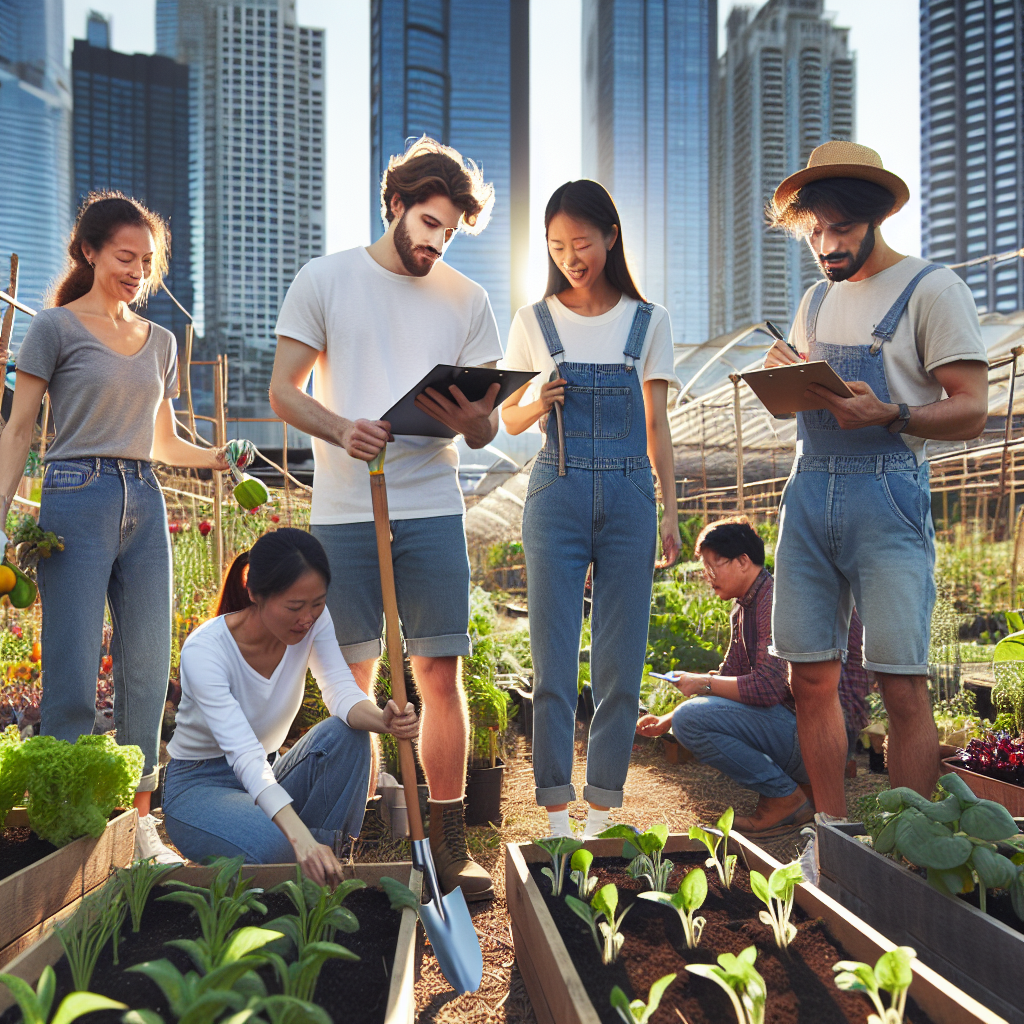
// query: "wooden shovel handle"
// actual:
[[396, 656]]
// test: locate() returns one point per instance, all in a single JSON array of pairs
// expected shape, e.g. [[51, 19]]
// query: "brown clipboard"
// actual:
[[782, 388]]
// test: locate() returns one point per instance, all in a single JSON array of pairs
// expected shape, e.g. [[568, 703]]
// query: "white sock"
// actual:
[[597, 822], [558, 822]]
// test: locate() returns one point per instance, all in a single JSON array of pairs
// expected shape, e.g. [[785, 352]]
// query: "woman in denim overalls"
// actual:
[[591, 500]]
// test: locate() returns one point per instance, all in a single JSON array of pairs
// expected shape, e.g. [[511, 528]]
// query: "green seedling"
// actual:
[[726, 864], [35, 1005], [586, 883], [777, 893], [239, 943], [741, 982], [604, 904], [636, 1012], [83, 936], [644, 851], [559, 849], [218, 908], [693, 891], [137, 882], [892, 974], [319, 911], [299, 977]]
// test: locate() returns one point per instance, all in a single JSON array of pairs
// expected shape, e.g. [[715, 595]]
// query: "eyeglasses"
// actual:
[[708, 571]]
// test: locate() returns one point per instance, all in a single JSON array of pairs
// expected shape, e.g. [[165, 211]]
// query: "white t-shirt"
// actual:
[[589, 339], [379, 334], [939, 326], [229, 710]]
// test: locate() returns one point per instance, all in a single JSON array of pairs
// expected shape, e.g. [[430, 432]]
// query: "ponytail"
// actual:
[[234, 594]]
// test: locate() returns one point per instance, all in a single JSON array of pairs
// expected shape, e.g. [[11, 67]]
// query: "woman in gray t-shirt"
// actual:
[[111, 376]]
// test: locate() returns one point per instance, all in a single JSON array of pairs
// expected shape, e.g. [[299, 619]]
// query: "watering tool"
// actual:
[[560, 423], [249, 492], [445, 919]]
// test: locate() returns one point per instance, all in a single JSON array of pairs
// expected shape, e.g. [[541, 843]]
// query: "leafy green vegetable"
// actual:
[[741, 983], [726, 864], [892, 973], [559, 849], [580, 873], [12, 772], [299, 977], [777, 893], [319, 911], [137, 882], [636, 1012], [644, 850], [693, 891], [604, 904], [35, 1005], [83, 936]]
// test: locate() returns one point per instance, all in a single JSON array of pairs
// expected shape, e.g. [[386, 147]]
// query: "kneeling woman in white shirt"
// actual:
[[242, 681]]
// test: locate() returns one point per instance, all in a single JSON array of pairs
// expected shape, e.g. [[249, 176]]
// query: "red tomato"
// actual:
[[106, 663]]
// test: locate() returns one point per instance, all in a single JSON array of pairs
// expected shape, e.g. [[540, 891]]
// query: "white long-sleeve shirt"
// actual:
[[228, 709]]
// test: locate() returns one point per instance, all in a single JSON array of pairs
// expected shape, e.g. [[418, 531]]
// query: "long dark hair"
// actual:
[[270, 567], [589, 201], [101, 215]]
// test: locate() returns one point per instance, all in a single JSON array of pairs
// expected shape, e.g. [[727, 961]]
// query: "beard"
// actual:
[[864, 250], [415, 258]]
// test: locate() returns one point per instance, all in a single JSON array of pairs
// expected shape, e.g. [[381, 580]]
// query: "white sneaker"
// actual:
[[148, 844]]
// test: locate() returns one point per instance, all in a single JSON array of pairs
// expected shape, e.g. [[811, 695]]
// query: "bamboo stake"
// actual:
[[735, 378], [218, 477]]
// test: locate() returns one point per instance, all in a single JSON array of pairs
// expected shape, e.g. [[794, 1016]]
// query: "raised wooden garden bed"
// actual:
[[560, 997], [48, 890], [401, 1002], [975, 951], [987, 788]]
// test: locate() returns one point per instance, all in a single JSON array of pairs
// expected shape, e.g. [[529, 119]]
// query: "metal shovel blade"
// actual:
[[449, 927]]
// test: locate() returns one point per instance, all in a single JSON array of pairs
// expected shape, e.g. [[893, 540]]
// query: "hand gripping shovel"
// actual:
[[446, 919]]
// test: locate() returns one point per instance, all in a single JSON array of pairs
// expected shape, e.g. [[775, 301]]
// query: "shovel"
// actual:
[[445, 919]]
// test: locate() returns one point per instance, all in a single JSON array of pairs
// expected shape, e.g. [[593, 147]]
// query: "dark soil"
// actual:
[[356, 993], [20, 847], [800, 984]]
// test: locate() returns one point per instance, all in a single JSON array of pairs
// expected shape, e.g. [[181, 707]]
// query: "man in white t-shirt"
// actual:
[[373, 322], [855, 521]]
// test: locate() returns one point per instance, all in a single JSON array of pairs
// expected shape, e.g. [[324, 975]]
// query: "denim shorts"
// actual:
[[431, 582], [855, 529]]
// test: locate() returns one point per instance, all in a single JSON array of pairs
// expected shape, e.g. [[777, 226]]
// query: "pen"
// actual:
[[777, 334]]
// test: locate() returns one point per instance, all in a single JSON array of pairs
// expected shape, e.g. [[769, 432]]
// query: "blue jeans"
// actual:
[[431, 583], [608, 518], [117, 551], [208, 813], [756, 747]]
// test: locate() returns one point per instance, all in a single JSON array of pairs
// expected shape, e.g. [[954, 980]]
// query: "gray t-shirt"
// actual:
[[940, 326], [104, 403]]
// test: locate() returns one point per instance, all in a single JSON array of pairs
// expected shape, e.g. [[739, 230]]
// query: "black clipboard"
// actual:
[[473, 382]]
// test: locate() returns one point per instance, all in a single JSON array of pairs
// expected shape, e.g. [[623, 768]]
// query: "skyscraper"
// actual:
[[459, 72], [35, 107], [647, 77], [256, 172], [972, 142], [785, 85], [131, 134]]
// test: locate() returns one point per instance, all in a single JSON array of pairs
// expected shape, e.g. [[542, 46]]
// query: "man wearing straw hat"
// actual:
[[855, 520]]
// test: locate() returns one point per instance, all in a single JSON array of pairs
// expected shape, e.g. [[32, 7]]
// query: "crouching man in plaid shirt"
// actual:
[[742, 718]]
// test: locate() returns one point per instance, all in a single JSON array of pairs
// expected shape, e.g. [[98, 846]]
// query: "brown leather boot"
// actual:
[[775, 814], [452, 859]]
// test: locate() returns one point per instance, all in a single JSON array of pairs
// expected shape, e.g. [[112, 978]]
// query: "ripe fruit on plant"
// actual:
[[7, 579], [205, 527], [106, 663], [37, 652]]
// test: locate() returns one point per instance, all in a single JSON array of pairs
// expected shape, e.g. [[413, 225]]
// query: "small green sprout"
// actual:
[[644, 851], [319, 911], [604, 904], [137, 882], [83, 936], [693, 891], [586, 883], [893, 974], [636, 1012], [741, 982], [726, 864], [35, 1005], [777, 893], [559, 849]]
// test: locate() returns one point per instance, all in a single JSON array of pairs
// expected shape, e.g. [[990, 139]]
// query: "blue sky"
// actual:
[[884, 33]]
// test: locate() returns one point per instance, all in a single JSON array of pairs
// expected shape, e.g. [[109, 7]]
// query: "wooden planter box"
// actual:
[[984, 786], [557, 992], [35, 898], [974, 951], [401, 1007]]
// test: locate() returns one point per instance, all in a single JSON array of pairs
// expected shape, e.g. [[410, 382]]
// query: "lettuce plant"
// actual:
[[636, 1012], [35, 1005], [137, 882], [12, 772], [86, 932], [580, 873], [741, 982], [693, 891], [892, 974], [559, 849], [777, 893], [604, 904], [725, 864], [644, 851]]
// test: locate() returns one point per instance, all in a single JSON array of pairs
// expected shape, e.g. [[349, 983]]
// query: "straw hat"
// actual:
[[839, 159]]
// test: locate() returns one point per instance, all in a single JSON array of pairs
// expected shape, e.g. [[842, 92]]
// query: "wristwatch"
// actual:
[[899, 424]]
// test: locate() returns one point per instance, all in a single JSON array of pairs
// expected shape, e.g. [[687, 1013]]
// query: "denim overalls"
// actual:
[[602, 512], [855, 525]]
